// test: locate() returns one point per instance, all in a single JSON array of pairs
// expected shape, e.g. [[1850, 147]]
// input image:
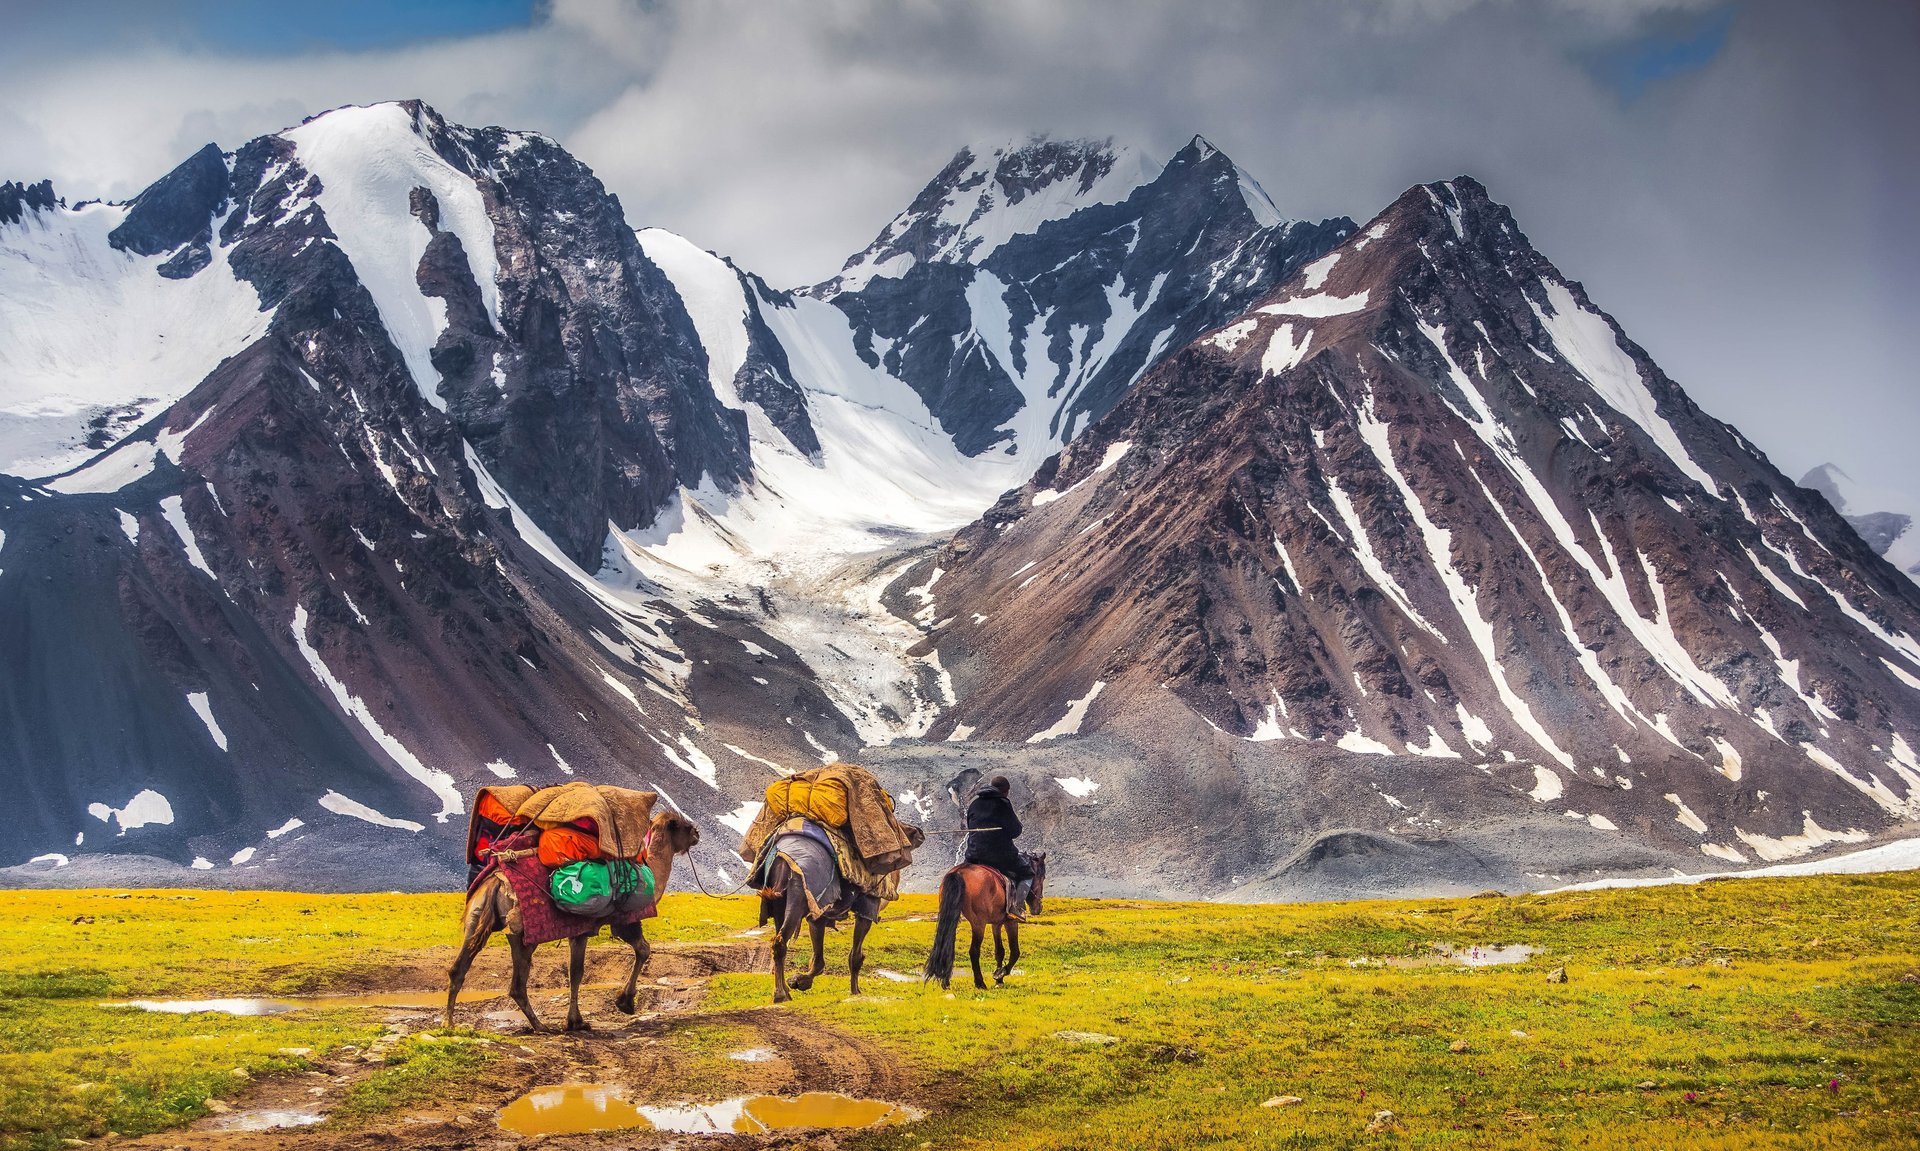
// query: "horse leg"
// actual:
[[522, 968], [635, 934], [1013, 946], [480, 927], [973, 953], [858, 955], [999, 957], [817, 935], [576, 968]]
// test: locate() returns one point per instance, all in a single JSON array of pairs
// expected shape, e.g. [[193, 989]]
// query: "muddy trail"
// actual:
[[685, 1067]]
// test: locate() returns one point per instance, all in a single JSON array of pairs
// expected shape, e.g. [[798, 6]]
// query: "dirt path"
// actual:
[[670, 1051]]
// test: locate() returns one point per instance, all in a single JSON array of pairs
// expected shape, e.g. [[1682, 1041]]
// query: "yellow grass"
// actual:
[[1758, 1013]]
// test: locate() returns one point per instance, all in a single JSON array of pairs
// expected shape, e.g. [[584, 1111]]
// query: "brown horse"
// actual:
[[980, 894], [783, 901], [491, 907]]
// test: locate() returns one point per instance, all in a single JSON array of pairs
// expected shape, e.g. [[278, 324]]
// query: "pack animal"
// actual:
[[978, 893], [492, 906], [783, 902]]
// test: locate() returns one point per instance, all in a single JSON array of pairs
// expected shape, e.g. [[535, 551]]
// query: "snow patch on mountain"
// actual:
[[94, 341], [369, 161], [1586, 341]]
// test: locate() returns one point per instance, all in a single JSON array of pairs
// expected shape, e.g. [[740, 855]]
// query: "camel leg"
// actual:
[[635, 934], [973, 953], [817, 934], [857, 956], [480, 927], [576, 969], [522, 968]]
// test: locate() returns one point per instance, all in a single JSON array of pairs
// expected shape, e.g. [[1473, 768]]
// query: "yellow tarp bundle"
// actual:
[[822, 800], [878, 842]]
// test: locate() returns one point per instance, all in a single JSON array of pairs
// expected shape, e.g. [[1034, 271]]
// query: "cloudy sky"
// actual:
[[1735, 181]]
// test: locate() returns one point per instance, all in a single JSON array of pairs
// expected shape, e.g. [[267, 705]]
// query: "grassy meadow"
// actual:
[[1733, 1014]]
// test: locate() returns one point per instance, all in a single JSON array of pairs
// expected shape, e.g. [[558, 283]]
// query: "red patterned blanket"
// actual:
[[541, 920]]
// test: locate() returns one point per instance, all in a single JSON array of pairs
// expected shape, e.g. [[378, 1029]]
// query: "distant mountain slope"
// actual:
[[1883, 519], [1426, 501]]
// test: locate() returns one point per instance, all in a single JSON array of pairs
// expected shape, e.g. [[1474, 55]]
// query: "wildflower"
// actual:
[[1691, 1097], [1833, 1085]]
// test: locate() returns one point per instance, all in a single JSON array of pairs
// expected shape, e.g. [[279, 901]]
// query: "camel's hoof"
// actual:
[[625, 1004]]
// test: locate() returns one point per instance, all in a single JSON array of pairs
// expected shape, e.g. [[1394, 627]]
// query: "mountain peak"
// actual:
[[17, 199], [987, 194]]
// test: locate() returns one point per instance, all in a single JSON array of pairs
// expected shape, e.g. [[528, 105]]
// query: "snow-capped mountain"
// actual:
[[381, 458], [1421, 545], [1884, 519], [1027, 287]]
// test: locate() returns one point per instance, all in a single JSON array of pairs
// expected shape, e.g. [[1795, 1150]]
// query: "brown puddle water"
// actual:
[[578, 1108]]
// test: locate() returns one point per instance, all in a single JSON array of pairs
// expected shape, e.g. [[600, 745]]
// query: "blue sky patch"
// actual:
[[1672, 45], [276, 29]]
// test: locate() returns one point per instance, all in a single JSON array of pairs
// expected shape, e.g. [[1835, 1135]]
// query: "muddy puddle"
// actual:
[[256, 1005], [580, 1108], [1457, 955], [265, 1120]]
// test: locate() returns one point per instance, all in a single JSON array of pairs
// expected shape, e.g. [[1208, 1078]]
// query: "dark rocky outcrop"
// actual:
[[17, 199], [177, 208]]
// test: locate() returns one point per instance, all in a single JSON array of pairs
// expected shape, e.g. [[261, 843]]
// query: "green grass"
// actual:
[[72, 1068], [1784, 1008], [417, 1071], [1763, 1013]]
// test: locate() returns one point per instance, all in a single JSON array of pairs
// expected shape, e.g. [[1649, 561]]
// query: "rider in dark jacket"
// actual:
[[990, 808]]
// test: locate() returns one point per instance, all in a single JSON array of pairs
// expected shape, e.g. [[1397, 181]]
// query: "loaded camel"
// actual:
[[491, 907]]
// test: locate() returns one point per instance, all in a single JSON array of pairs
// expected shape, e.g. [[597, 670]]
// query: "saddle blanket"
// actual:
[[809, 852], [541, 920]]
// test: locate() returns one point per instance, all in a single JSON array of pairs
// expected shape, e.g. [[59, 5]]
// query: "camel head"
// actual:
[[676, 831]]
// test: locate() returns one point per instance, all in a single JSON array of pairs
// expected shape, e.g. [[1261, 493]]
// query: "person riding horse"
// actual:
[[992, 827]]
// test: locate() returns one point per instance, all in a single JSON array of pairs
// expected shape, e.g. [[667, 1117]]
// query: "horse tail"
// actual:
[[946, 928]]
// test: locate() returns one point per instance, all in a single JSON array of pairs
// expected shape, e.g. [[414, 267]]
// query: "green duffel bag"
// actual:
[[596, 888]]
